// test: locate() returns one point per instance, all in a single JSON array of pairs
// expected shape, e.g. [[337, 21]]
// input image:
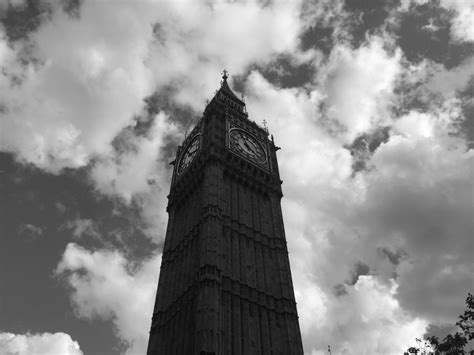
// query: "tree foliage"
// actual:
[[454, 344]]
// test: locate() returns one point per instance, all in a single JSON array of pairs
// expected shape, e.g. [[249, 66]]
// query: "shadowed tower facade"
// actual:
[[225, 285]]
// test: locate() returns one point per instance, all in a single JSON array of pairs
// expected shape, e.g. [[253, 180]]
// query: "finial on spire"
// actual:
[[224, 74], [265, 126]]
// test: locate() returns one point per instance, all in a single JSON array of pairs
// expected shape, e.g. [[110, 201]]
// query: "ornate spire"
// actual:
[[226, 89], [224, 77]]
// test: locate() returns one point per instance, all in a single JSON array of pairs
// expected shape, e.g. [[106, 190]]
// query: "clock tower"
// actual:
[[225, 284]]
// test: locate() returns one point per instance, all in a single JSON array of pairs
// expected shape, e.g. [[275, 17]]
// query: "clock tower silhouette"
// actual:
[[225, 285]]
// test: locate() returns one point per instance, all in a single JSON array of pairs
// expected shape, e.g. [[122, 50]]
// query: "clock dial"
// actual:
[[246, 145], [189, 154]]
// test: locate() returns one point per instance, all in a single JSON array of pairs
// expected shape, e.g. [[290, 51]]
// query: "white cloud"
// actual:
[[448, 82], [359, 86], [141, 173], [130, 172], [198, 41], [91, 74], [366, 320], [104, 283], [87, 81], [38, 344], [463, 27], [279, 107]]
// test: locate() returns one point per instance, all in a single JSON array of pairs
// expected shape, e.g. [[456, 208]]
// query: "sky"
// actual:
[[370, 101]]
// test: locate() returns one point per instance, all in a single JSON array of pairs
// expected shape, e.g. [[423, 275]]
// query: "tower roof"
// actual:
[[227, 90]]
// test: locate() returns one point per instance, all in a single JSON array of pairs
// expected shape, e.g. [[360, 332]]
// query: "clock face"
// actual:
[[246, 145], [189, 154]]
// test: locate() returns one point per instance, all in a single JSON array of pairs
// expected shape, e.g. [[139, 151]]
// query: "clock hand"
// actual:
[[251, 148], [247, 145]]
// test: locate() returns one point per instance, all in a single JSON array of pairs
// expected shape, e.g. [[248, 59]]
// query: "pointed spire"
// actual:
[[224, 74], [227, 90]]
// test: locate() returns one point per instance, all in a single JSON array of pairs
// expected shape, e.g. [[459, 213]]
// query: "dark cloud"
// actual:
[[20, 21], [357, 20], [364, 145], [368, 16], [395, 257], [158, 33], [340, 290], [162, 101], [183, 115], [424, 31], [319, 37], [72, 7], [285, 73], [413, 97], [466, 123], [29, 231], [441, 331], [438, 299], [360, 269]]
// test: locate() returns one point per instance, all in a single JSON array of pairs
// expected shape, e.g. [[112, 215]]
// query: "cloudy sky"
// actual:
[[370, 101]]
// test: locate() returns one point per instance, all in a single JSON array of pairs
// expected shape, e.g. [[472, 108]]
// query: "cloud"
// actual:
[[406, 216], [73, 86], [13, 3], [376, 253], [358, 97], [82, 227], [324, 246], [132, 168], [103, 283], [70, 88], [367, 319], [462, 28], [139, 172], [30, 231], [419, 197], [76, 86], [36, 344], [279, 107], [449, 82], [195, 41]]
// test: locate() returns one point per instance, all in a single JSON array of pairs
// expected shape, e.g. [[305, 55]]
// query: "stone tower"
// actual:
[[225, 284]]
